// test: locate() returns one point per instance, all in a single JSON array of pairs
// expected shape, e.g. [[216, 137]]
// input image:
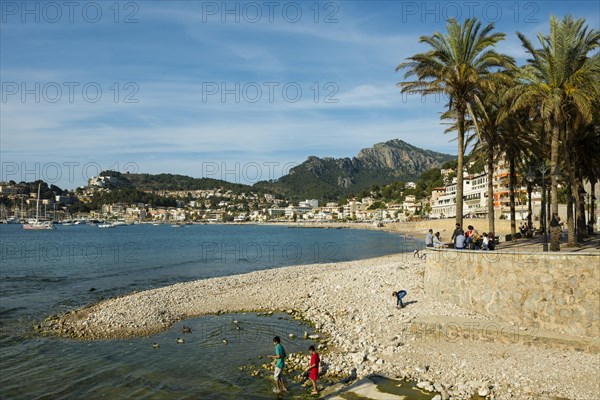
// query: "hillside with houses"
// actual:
[[112, 196]]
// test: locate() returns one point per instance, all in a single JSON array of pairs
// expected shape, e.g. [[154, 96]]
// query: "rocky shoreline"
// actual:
[[351, 304]]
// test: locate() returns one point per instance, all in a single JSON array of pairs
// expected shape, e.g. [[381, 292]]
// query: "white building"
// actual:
[[8, 189], [443, 203], [276, 212], [313, 203], [350, 209], [410, 205], [446, 174], [240, 218], [367, 201], [474, 198], [298, 211], [100, 181]]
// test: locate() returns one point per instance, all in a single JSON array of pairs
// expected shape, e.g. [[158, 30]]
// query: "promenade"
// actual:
[[590, 244]]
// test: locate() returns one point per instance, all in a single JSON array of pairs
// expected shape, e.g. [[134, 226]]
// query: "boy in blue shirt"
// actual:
[[279, 364]]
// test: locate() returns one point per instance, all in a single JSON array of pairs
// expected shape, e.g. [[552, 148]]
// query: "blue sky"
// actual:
[[240, 91]]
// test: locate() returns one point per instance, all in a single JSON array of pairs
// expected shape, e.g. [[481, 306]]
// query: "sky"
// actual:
[[241, 91]]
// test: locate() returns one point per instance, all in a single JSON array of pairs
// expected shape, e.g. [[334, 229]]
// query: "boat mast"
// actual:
[[37, 207]]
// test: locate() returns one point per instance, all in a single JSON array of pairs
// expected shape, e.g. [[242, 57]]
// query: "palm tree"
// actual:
[[502, 134], [582, 151], [560, 80], [459, 64], [486, 120], [518, 145]]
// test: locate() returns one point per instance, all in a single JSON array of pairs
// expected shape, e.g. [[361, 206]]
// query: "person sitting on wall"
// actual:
[[459, 241], [476, 240], [472, 238], [429, 239], [468, 236], [491, 241], [437, 241], [523, 229]]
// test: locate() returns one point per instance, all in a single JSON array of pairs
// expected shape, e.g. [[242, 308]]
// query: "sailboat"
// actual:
[[36, 224]]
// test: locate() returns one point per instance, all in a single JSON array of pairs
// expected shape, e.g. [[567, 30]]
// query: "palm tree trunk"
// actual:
[[572, 193], [580, 204], [554, 148], [511, 193], [529, 210], [576, 189], [593, 206], [459, 166], [548, 215], [490, 190], [571, 241], [543, 210]]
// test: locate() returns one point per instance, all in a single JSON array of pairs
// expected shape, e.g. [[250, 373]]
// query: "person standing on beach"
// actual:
[[279, 365], [399, 296], [429, 239], [313, 368]]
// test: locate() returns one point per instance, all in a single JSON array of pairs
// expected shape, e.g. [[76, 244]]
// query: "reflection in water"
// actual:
[[202, 366]]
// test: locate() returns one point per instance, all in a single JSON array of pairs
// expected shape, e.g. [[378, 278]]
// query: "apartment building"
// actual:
[[475, 197]]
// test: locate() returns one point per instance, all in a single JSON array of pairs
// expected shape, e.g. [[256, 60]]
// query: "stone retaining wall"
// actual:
[[560, 292]]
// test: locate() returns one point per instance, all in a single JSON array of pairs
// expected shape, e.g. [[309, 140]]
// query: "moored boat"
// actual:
[[36, 223]]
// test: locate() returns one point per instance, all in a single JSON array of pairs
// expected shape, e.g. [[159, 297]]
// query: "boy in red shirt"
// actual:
[[313, 369]]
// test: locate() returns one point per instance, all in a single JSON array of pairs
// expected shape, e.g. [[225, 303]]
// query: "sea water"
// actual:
[[49, 272]]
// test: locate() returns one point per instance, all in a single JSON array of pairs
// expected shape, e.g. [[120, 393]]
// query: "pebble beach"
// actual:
[[351, 305]]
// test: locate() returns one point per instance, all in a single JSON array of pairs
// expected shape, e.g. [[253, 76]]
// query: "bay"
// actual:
[[49, 272]]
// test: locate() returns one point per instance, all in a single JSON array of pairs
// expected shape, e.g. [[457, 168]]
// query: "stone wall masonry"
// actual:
[[555, 291]]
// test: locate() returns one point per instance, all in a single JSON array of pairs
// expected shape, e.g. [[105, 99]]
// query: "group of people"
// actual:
[[433, 240], [279, 357], [470, 239]]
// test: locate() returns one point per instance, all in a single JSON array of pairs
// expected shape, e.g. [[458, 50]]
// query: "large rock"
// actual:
[[357, 358]]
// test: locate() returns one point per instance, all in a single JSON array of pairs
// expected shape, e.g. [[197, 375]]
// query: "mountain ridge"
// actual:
[[329, 178], [325, 178]]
